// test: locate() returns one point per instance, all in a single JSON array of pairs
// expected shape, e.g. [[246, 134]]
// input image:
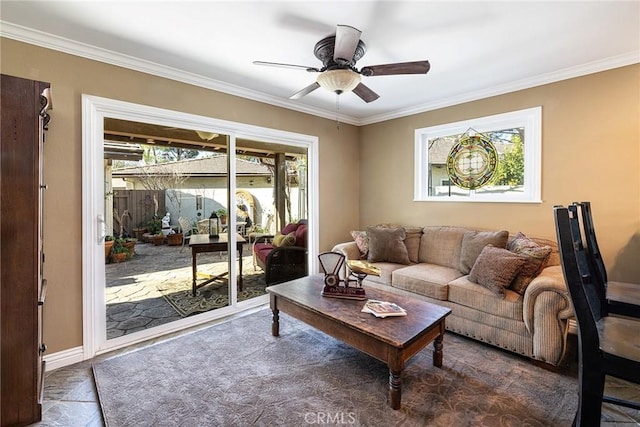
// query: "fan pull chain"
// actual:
[[337, 111]]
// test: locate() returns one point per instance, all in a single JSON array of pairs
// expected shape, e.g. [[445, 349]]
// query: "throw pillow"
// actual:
[[474, 241], [387, 245], [362, 242], [536, 256], [283, 240], [495, 268], [412, 238]]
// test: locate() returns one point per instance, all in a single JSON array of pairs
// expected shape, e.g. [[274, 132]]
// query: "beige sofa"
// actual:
[[530, 319]]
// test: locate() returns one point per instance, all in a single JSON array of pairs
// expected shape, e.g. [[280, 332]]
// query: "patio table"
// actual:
[[203, 243]]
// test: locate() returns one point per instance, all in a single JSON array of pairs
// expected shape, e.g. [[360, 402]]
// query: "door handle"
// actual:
[[102, 229]]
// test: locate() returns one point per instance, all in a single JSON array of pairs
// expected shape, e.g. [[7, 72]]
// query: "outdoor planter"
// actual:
[[130, 246], [119, 257], [108, 244], [139, 232], [158, 239], [174, 239]]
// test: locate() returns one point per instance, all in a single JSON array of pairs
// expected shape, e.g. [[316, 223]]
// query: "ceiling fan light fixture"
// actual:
[[339, 80], [207, 136]]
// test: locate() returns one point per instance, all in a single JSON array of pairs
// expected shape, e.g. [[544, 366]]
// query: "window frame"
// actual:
[[530, 119]]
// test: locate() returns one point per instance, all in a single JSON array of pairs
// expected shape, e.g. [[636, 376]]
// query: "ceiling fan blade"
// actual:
[[307, 90], [347, 39], [416, 67], [366, 94], [277, 64]]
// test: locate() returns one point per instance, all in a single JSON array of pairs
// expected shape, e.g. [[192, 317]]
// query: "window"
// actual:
[[452, 165]]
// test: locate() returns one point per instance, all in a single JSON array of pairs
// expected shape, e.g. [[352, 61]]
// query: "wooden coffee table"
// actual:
[[392, 340]]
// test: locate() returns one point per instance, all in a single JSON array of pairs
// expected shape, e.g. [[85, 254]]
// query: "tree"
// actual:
[[510, 170]]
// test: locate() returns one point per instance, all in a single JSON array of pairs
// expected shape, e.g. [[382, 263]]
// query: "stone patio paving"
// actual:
[[133, 299]]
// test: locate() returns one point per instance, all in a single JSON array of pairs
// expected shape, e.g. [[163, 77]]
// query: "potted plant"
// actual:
[[174, 239], [154, 229], [108, 244], [139, 231], [129, 244], [222, 214], [119, 252]]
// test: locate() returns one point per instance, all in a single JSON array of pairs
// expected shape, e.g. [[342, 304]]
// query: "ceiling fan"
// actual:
[[339, 55]]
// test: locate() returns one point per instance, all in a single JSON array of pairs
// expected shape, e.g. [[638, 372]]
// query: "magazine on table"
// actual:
[[383, 308]]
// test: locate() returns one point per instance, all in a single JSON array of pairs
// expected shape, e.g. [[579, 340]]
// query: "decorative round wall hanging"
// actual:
[[472, 161]]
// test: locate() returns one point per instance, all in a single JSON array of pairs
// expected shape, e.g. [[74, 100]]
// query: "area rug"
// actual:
[[183, 301], [178, 293], [237, 374]]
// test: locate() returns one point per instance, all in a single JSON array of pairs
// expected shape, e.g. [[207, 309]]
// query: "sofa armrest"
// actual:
[[546, 309], [348, 249]]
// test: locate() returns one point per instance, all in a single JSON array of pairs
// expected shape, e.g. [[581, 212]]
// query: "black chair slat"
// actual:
[[607, 345]]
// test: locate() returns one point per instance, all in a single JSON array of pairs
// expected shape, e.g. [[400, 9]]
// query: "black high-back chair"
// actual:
[[606, 345], [625, 305]]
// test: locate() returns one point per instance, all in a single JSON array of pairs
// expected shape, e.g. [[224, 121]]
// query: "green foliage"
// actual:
[[118, 248], [510, 170], [154, 155], [154, 226]]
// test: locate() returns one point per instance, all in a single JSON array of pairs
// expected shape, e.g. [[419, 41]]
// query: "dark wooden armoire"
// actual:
[[23, 120]]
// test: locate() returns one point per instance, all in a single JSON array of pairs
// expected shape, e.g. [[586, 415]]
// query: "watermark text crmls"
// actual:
[[331, 418]]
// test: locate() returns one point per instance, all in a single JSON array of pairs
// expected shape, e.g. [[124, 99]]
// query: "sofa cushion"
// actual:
[[387, 245], [425, 279], [261, 250], [362, 242], [536, 256], [441, 245], [301, 236], [386, 271], [496, 268], [469, 294], [474, 241]]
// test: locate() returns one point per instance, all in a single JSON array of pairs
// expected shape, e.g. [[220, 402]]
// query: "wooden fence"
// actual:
[[140, 205]]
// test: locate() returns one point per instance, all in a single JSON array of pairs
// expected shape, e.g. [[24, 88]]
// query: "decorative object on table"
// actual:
[[472, 161], [383, 309], [331, 263], [214, 225]]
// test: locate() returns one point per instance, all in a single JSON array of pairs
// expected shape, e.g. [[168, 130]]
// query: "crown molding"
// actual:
[[628, 58], [49, 41], [61, 44]]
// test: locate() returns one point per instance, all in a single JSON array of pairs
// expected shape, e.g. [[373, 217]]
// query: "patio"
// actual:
[[154, 287]]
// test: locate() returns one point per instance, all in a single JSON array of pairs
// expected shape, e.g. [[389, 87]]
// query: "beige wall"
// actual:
[[590, 151], [591, 139], [70, 77]]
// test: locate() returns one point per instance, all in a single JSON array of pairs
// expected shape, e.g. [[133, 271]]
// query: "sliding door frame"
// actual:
[[94, 111]]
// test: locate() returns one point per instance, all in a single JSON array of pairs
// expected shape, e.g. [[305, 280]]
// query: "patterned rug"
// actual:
[[245, 376], [215, 295]]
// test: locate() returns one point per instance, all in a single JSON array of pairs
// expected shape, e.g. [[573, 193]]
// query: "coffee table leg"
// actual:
[[395, 392], [437, 351], [275, 325]]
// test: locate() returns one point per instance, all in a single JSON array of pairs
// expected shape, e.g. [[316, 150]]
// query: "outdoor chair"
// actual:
[[187, 230], [284, 256], [607, 345], [627, 295]]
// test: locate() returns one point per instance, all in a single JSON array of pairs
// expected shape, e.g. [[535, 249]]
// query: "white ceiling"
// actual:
[[476, 49]]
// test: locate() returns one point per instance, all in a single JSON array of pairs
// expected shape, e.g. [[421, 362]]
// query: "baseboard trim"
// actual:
[[64, 358]]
